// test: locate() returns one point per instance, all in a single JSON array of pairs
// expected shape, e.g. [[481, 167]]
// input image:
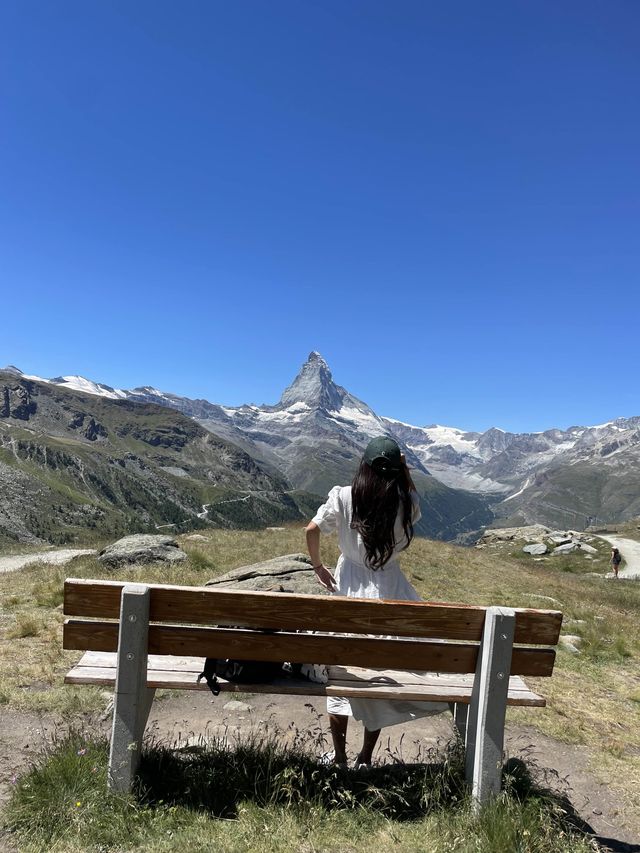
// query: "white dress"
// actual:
[[356, 580]]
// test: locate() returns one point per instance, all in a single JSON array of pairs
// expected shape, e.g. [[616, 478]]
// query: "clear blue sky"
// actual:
[[443, 198]]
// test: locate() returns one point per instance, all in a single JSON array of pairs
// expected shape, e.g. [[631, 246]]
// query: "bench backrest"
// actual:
[[181, 620]]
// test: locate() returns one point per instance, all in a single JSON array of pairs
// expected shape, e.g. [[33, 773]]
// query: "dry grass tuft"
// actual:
[[25, 626]]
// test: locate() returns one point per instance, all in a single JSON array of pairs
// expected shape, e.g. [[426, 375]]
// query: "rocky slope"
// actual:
[[71, 461]]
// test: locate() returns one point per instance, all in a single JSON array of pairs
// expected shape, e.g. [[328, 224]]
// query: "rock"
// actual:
[[16, 402], [570, 642], [89, 427], [569, 548], [557, 538], [576, 639], [235, 705], [290, 573], [588, 549], [197, 537], [142, 548], [536, 550], [530, 533]]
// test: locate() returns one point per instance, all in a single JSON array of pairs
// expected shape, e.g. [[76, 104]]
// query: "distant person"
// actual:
[[616, 559], [374, 518]]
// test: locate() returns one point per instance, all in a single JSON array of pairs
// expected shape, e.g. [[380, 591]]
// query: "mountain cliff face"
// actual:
[[70, 461]]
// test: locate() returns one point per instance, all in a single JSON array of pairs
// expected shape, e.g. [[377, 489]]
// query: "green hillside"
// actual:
[[72, 463]]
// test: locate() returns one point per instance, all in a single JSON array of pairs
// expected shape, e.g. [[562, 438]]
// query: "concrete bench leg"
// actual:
[[133, 698], [485, 727]]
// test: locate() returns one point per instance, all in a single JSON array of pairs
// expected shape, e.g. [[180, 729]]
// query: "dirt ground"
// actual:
[[186, 717]]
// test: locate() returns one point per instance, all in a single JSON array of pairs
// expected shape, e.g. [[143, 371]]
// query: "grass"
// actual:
[[592, 697], [25, 626], [255, 793]]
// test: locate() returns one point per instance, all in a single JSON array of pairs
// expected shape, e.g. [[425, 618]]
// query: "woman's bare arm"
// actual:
[[313, 547]]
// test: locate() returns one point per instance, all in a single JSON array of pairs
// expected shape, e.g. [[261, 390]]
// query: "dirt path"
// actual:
[[630, 551], [185, 718], [52, 558]]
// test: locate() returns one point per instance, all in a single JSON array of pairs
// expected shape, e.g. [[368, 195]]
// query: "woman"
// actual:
[[374, 519], [616, 559]]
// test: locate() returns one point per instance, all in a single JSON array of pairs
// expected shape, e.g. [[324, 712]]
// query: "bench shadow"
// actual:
[[217, 779]]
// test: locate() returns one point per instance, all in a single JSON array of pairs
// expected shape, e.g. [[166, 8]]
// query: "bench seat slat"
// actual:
[[303, 648], [164, 671], [213, 605]]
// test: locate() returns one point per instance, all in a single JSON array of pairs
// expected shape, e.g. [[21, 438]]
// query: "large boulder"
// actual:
[[529, 533], [558, 538], [536, 549], [569, 548], [290, 573], [142, 548]]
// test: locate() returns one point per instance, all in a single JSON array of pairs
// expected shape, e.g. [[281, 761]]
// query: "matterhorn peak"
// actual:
[[314, 386]]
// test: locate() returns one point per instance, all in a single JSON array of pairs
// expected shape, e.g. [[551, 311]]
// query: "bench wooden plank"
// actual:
[[99, 668], [194, 665], [302, 648], [211, 606]]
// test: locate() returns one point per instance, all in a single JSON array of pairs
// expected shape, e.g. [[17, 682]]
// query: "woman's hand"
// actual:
[[325, 578]]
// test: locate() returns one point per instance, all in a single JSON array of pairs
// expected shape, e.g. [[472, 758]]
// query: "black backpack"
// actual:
[[243, 671]]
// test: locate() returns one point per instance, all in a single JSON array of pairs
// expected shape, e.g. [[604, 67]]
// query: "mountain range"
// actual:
[[313, 437], [72, 463]]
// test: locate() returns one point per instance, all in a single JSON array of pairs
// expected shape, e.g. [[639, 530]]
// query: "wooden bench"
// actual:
[[142, 637]]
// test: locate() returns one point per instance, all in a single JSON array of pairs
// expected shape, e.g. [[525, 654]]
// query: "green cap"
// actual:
[[383, 454]]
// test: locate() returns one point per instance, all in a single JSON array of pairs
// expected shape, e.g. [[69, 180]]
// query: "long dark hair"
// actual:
[[376, 500]]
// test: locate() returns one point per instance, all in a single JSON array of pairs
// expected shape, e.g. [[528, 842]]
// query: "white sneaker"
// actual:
[[330, 758]]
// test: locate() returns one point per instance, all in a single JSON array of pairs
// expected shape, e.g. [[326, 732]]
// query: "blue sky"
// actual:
[[441, 198]]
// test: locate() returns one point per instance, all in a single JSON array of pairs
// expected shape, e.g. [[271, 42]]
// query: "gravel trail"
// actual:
[[630, 551], [52, 558]]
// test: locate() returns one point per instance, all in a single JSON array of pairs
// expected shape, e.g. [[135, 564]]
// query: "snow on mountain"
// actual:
[[460, 441], [79, 383], [76, 383]]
